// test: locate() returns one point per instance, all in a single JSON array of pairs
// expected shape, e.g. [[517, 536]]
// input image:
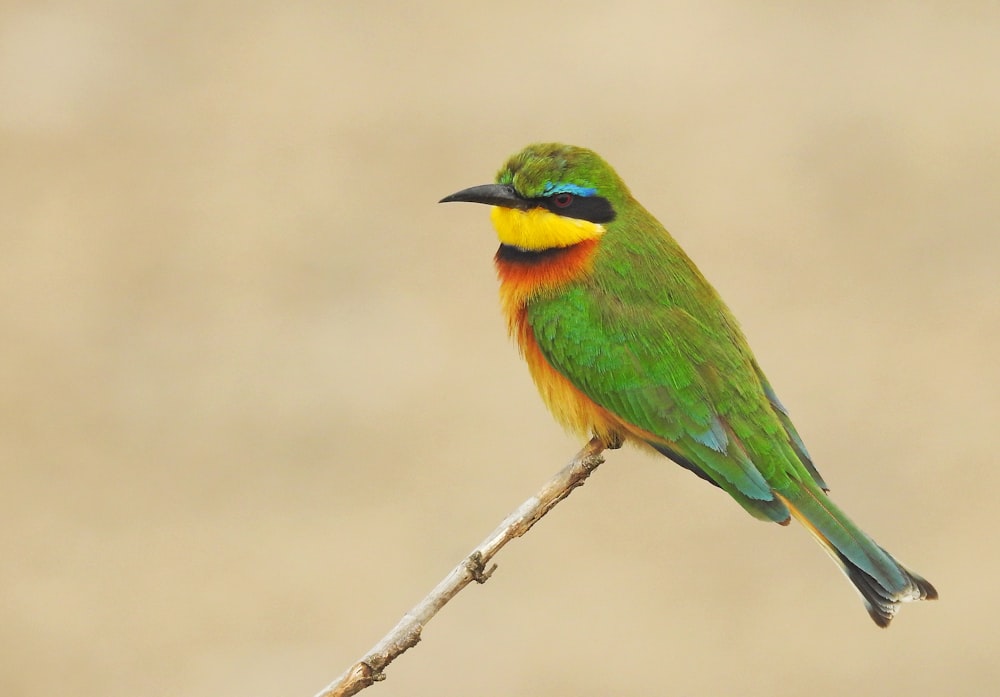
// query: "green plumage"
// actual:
[[646, 337]]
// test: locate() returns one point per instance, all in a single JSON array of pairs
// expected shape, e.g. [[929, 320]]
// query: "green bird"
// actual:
[[627, 341]]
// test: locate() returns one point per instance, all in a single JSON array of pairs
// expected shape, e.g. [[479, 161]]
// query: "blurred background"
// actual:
[[258, 399]]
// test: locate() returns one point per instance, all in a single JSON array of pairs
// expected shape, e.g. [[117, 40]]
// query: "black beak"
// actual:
[[492, 195]]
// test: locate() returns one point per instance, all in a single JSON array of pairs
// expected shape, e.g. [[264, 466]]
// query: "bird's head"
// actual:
[[550, 195]]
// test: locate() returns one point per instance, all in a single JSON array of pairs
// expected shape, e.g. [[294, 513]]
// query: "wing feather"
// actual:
[[664, 372]]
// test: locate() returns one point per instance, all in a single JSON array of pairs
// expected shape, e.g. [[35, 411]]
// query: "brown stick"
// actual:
[[406, 633]]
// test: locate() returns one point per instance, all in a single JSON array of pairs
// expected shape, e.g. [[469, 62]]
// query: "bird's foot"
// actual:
[[612, 441]]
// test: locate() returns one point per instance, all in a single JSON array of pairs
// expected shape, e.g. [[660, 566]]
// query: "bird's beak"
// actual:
[[492, 195]]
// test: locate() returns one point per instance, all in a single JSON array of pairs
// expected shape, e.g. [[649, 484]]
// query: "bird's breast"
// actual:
[[523, 277]]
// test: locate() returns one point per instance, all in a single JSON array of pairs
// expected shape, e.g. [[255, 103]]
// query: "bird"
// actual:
[[627, 342]]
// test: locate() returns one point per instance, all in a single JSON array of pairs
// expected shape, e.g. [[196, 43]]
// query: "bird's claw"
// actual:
[[613, 441]]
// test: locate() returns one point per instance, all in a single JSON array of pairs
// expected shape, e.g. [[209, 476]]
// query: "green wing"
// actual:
[[793, 436], [689, 382]]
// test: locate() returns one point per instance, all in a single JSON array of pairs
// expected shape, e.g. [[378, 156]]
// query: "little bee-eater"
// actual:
[[627, 341]]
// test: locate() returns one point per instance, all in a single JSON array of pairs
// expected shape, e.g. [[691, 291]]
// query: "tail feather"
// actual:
[[882, 582], [880, 602]]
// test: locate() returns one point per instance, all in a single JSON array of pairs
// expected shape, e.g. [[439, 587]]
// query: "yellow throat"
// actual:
[[539, 229]]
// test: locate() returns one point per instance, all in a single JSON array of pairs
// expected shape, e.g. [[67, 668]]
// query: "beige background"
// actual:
[[257, 398]]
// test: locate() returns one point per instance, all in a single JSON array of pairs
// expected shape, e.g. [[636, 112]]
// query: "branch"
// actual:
[[406, 634]]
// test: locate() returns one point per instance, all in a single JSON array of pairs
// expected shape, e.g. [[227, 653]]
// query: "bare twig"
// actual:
[[406, 634]]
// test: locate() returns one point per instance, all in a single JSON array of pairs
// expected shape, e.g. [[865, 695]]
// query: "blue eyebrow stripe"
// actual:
[[574, 189]]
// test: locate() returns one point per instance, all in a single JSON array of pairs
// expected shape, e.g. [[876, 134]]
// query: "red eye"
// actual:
[[562, 200]]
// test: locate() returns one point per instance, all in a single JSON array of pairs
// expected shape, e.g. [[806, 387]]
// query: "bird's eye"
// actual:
[[562, 200]]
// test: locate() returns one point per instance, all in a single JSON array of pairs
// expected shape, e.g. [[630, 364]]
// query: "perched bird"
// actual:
[[627, 341]]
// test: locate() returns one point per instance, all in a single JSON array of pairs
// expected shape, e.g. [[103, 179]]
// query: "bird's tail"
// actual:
[[881, 580]]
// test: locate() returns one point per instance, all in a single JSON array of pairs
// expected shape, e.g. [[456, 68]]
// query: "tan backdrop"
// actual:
[[257, 397]]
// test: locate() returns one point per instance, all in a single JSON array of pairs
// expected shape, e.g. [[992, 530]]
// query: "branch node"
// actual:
[[477, 567]]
